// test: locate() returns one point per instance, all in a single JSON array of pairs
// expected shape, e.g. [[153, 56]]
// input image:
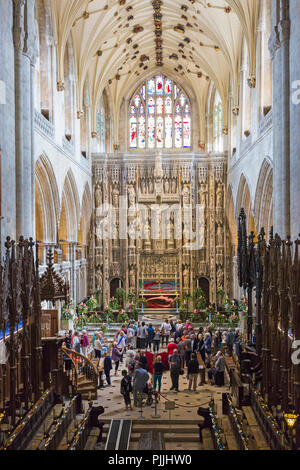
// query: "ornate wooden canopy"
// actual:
[[53, 286]]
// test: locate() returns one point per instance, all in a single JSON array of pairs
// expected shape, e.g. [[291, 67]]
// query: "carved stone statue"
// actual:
[[143, 187], [115, 198], [219, 236], [132, 277], [98, 196], [220, 195], [167, 186], [186, 278], [99, 279], [186, 194], [220, 277], [131, 196]]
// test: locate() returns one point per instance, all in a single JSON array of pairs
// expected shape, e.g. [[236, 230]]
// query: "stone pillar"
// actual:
[[279, 46], [295, 118], [24, 115]]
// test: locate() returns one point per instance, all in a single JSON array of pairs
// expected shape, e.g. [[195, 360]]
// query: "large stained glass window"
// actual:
[[160, 116]]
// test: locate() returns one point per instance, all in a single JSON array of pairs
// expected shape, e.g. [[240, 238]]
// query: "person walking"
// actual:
[[156, 340], [140, 381], [97, 347], [107, 366], [150, 335], [121, 343], [142, 335], [229, 341], [130, 336], [171, 347], [181, 351], [193, 371], [175, 367], [116, 356], [126, 389], [187, 349], [84, 343], [76, 342], [165, 330], [207, 345], [158, 370], [220, 369]]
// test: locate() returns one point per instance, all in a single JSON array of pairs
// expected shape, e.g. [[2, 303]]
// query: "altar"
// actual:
[[160, 294]]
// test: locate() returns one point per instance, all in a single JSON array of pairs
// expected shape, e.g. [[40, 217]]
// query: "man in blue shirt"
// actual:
[[140, 381]]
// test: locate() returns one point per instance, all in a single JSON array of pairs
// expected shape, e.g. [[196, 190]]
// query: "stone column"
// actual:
[[279, 46], [24, 115], [295, 118]]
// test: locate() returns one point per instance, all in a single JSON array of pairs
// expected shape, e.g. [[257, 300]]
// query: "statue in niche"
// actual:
[[99, 279], [219, 235], [220, 278], [115, 198], [167, 186], [151, 186], [98, 196], [186, 278], [131, 196], [132, 277], [143, 186], [186, 194], [174, 186], [220, 195]]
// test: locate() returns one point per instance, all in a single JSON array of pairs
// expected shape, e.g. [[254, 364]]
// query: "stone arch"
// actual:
[[43, 75], [263, 206], [85, 220], [70, 210], [47, 201], [244, 201]]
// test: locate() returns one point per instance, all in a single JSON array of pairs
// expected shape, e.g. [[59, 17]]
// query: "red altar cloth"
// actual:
[[150, 360]]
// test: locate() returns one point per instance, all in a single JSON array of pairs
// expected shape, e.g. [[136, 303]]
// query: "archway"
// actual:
[[203, 283], [115, 284]]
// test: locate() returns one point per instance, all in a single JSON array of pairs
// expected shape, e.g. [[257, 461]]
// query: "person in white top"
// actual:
[[130, 336], [121, 343], [165, 332]]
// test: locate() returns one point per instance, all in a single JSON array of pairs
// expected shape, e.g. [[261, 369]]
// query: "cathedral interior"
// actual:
[[148, 155]]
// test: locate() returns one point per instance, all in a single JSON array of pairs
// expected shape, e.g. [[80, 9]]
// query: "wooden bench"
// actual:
[[229, 434], [255, 430]]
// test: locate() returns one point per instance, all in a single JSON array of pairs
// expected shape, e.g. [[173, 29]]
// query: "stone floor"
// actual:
[[186, 406]]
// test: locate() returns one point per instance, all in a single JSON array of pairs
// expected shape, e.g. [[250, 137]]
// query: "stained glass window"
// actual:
[[160, 116]]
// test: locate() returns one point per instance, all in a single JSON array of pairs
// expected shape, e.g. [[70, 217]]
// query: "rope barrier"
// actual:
[[185, 406]]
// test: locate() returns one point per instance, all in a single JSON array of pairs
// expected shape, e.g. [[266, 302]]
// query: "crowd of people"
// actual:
[[147, 352]]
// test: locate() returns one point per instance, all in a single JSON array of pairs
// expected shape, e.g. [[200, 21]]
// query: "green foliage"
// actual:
[[120, 296], [123, 318], [132, 297], [92, 304], [199, 299]]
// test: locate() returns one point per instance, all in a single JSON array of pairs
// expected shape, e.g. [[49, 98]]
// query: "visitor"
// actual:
[[130, 336], [126, 389], [201, 347], [229, 341], [97, 347], [217, 341], [181, 351], [107, 367], [150, 336], [116, 356], [121, 343], [158, 369], [175, 368], [141, 378], [187, 349], [143, 360], [76, 342], [130, 360], [237, 344], [220, 369], [156, 340], [193, 371], [142, 335], [171, 347], [165, 330], [69, 339], [84, 343], [207, 345], [173, 328]]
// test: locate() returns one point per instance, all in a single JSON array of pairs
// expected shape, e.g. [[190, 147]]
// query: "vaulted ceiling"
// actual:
[[118, 42]]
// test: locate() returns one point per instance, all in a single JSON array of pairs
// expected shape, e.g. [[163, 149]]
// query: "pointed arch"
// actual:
[[47, 201], [70, 209], [263, 206], [244, 201]]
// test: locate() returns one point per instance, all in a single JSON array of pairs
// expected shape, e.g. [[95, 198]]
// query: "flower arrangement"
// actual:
[[199, 299], [243, 306], [92, 304], [113, 304], [82, 320], [123, 318], [67, 312], [82, 308]]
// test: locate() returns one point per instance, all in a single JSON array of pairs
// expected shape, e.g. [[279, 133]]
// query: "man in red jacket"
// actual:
[[171, 347]]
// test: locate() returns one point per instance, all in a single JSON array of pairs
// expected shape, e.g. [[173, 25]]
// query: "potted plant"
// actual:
[[92, 304], [67, 315], [199, 299], [120, 296]]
